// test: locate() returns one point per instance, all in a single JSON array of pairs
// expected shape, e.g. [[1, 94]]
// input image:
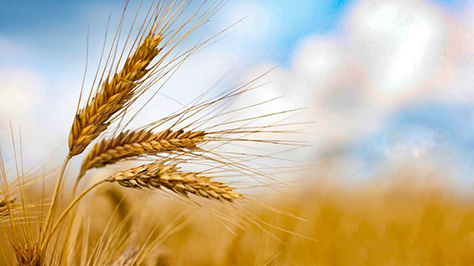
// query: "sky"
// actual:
[[387, 83]]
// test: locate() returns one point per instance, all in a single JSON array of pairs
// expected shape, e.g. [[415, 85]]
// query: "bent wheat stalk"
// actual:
[[158, 175]]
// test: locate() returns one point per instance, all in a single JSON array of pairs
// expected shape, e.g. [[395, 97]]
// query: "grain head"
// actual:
[[159, 175], [133, 144]]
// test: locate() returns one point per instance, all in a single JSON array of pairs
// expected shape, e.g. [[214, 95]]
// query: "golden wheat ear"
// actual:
[[113, 97], [159, 175], [132, 144]]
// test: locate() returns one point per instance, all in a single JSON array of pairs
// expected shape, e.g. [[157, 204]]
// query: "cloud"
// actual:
[[390, 56], [400, 43], [21, 92]]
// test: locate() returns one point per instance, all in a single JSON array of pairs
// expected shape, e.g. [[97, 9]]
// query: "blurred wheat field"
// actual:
[[400, 221], [396, 224]]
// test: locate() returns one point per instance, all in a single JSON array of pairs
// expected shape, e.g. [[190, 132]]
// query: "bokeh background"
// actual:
[[386, 83]]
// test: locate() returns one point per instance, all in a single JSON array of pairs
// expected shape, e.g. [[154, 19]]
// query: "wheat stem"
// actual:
[[68, 209], [54, 201], [71, 218]]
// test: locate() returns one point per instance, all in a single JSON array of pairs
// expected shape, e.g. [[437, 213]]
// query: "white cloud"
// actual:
[[21, 92], [399, 43], [390, 54]]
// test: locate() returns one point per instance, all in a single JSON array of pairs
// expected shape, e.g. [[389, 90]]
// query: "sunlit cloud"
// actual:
[[390, 56]]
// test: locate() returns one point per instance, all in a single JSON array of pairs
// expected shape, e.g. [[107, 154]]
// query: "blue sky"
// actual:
[[43, 25], [300, 17]]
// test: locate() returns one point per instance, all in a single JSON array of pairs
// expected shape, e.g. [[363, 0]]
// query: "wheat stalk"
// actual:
[[158, 175], [139, 143]]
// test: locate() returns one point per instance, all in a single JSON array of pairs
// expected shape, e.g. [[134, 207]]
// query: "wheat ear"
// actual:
[[158, 175], [28, 256], [6, 207], [115, 95], [139, 143]]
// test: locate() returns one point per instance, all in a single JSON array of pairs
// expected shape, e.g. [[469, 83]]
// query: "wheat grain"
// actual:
[[139, 143], [27, 256], [6, 206], [158, 175]]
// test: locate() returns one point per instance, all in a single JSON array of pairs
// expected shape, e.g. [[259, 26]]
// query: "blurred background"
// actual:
[[388, 84]]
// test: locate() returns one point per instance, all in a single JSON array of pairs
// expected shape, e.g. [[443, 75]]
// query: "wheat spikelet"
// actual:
[[115, 94], [157, 175], [128, 257], [5, 207], [27, 256], [139, 143]]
